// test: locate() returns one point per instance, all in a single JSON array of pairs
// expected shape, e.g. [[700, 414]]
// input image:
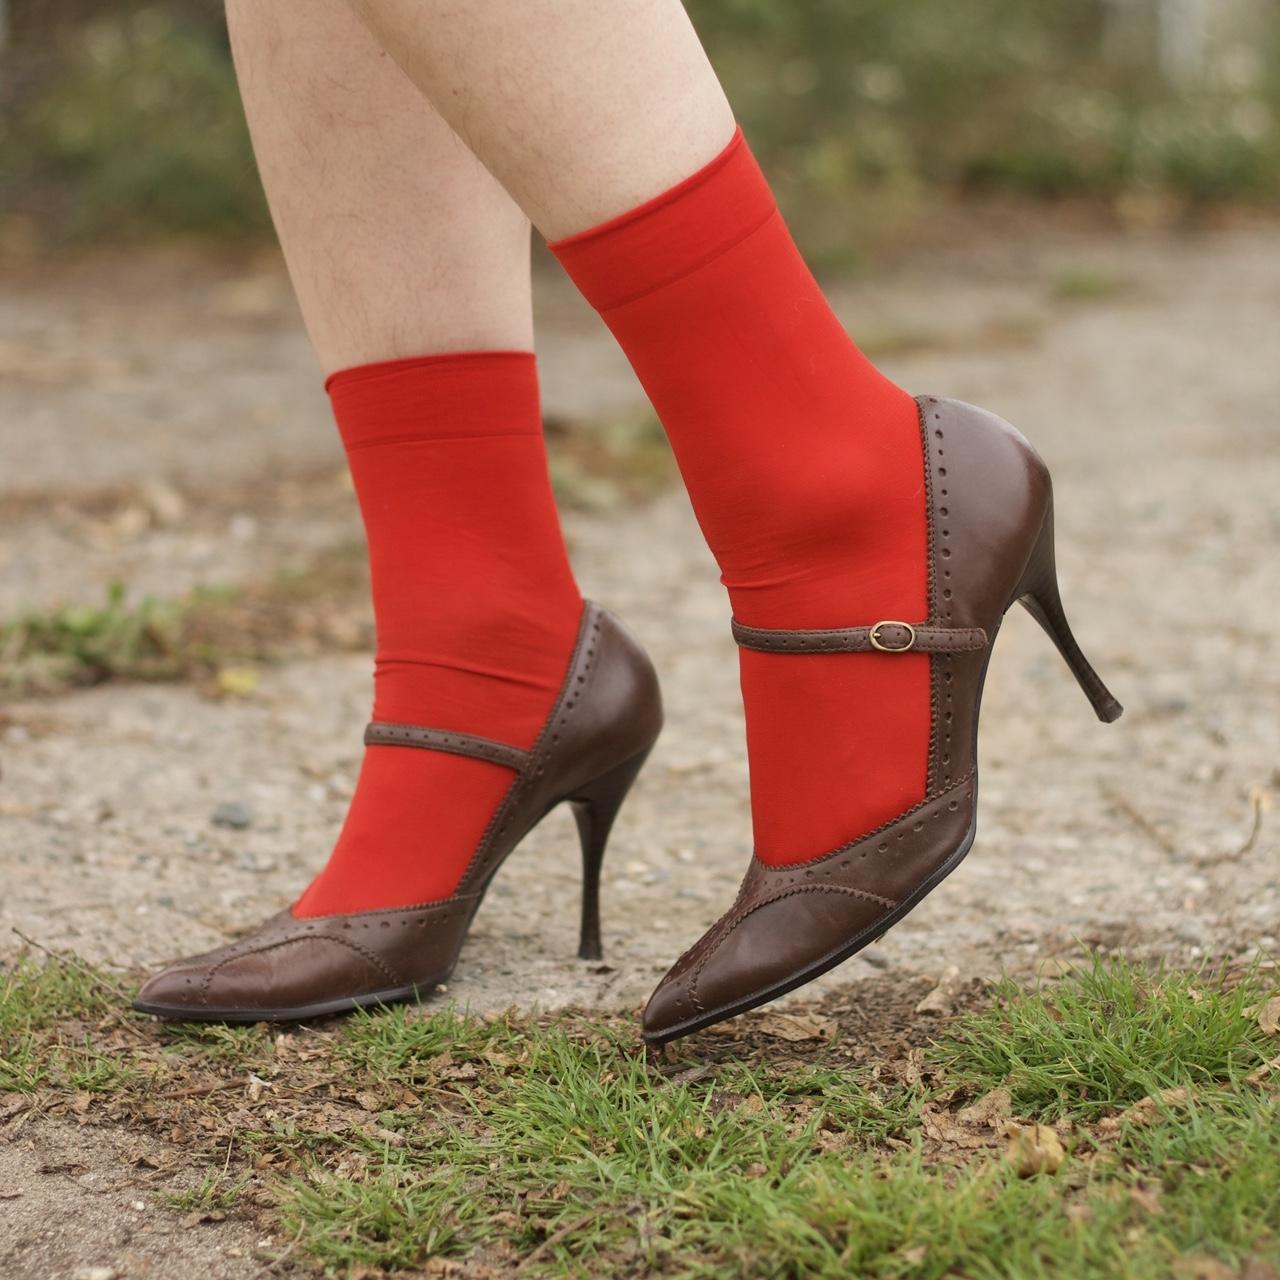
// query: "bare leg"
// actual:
[[411, 265], [399, 243], [581, 108]]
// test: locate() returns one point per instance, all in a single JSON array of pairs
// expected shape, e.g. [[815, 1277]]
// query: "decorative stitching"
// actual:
[[931, 542], [884, 826], [390, 974], [386, 734], [848, 890], [571, 692], [930, 637]]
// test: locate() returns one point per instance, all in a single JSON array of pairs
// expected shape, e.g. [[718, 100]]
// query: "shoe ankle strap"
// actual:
[[881, 637], [383, 734]]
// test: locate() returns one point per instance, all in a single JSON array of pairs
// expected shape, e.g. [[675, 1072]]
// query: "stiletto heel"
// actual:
[[595, 806], [1038, 594]]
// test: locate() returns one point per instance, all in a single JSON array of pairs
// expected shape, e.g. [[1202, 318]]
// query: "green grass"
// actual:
[[36, 997], [85, 644], [1113, 1034], [398, 1136], [195, 637], [1086, 284], [215, 1193]]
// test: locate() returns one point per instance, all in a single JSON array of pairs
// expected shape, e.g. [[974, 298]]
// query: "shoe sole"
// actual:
[[299, 1013]]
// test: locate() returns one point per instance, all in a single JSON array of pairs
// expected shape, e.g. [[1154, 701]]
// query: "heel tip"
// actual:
[[589, 952], [1110, 711]]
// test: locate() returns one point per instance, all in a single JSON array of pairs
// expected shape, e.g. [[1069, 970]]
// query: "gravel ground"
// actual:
[[1153, 403]]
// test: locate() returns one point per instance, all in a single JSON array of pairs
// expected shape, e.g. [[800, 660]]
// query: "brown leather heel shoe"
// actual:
[[591, 748], [990, 524]]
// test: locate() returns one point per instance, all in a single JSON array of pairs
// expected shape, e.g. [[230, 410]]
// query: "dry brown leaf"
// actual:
[[1202, 1267], [940, 1125], [1256, 1269], [1268, 1016], [941, 999], [795, 1027], [1259, 1074], [237, 682], [1033, 1148], [914, 1255], [1146, 1199], [1147, 1110], [992, 1109]]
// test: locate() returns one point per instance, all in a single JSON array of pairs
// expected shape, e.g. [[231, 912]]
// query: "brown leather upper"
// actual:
[[608, 712], [987, 498], [383, 734]]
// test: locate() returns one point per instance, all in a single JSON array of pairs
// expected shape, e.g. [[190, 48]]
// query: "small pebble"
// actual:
[[233, 814]]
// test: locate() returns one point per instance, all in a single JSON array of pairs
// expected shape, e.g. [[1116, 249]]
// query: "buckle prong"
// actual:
[[874, 636]]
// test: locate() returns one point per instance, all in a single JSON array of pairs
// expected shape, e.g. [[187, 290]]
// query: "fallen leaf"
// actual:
[[795, 1027], [1202, 1267], [1148, 1110], [1259, 1074], [940, 1125], [992, 1109], [941, 999], [1256, 1269], [1032, 1149], [197, 1216], [1146, 1199], [237, 682], [752, 1105], [1269, 1017], [915, 1255]]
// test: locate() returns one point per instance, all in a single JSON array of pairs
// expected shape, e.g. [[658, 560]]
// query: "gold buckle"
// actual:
[[873, 636]]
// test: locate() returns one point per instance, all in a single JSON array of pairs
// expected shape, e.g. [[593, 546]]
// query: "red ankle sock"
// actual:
[[476, 607], [805, 468]]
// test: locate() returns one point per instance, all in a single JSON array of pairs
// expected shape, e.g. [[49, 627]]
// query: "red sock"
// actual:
[[476, 607], [805, 468]]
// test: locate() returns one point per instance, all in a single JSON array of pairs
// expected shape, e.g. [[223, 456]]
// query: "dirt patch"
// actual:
[[82, 1201]]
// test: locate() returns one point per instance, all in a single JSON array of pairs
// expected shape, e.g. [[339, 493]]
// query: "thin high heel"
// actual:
[[1038, 594], [595, 806]]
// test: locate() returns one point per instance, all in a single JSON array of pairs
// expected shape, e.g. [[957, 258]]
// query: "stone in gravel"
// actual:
[[95, 1273], [233, 814]]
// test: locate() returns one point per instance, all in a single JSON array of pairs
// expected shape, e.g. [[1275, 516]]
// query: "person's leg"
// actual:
[[605, 121], [411, 266]]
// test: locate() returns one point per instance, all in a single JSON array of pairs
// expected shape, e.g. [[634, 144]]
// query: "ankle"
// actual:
[[493, 672]]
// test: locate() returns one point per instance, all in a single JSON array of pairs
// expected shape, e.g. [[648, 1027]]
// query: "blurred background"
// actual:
[[122, 120], [1065, 210]]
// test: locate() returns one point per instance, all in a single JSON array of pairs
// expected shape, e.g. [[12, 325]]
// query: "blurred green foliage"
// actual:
[[138, 128], [897, 102]]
